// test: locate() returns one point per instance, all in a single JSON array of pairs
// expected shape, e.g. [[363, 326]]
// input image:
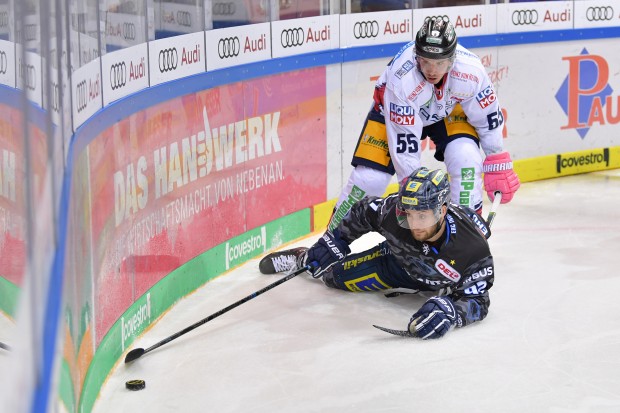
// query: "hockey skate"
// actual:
[[281, 261]]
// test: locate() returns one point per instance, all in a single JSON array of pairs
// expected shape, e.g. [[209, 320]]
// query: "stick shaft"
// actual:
[[496, 201], [226, 309]]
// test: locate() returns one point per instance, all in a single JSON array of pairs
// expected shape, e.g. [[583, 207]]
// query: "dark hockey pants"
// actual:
[[372, 270]]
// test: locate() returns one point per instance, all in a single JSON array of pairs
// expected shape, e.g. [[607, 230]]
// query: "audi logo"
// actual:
[[292, 37], [184, 18], [524, 17], [228, 47], [129, 31], [28, 76], [599, 13], [444, 18], [168, 60], [224, 9], [427, 19], [4, 63], [4, 19], [366, 30], [118, 75], [81, 96]]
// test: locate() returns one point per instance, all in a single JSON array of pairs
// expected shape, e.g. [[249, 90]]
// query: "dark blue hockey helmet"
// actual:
[[423, 190]]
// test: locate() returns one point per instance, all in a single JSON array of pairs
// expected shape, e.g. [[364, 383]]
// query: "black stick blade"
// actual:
[[403, 333], [134, 354]]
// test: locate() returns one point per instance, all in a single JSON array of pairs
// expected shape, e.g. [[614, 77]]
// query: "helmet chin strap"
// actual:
[[438, 227]]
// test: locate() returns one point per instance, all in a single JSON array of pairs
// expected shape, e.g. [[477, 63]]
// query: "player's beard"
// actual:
[[426, 234]]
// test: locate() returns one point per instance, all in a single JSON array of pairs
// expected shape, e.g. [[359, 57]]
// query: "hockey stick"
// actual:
[[139, 352], [497, 197], [4, 346]]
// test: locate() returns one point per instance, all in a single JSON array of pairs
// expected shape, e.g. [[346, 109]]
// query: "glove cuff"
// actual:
[[497, 162]]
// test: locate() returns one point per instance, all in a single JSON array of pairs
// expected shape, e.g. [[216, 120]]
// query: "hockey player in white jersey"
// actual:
[[434, 87]]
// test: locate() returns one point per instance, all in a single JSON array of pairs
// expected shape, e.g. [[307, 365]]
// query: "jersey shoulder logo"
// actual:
[[486, 97], [404, 69]]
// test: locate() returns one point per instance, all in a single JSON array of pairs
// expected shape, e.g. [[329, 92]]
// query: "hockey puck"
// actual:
[[135, 384]]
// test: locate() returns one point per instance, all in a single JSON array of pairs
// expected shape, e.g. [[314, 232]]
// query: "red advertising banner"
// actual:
[[12, 213], [178, 178], [12, 187]]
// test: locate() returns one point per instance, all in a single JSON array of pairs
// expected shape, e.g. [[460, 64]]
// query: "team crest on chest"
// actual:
[[425, 249]]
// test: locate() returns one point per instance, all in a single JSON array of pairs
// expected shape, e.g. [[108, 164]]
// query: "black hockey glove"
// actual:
[[326, 252], [434, 319]]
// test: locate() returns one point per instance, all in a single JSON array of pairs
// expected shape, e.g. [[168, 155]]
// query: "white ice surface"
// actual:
[[551, 341], [6, 336]]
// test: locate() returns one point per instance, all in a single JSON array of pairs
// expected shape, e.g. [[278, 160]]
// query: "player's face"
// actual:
[[433, 69], [423, 224]]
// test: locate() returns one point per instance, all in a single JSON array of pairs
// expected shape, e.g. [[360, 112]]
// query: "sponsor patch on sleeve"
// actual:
[[486, 97]]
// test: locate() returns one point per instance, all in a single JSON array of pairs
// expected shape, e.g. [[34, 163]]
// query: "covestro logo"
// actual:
[[566, 161], [245, 247]]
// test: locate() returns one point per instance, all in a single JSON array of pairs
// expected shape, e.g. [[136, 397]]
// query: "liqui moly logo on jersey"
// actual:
[[486, 97], [402, 115], [447, 271], [585, 95]]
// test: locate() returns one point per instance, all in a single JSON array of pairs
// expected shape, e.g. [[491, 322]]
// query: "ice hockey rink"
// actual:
[[551, 341], [6, 334]]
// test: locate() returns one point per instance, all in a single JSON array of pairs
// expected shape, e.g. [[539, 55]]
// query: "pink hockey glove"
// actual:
[[499, 176]]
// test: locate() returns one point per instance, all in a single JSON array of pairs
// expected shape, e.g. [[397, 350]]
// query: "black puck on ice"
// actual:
[[135, 384]]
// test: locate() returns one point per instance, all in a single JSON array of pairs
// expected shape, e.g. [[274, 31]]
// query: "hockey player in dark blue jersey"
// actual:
[[431, 246]]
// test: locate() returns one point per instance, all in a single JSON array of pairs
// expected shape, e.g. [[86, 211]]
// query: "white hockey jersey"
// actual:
[[410, 103]]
